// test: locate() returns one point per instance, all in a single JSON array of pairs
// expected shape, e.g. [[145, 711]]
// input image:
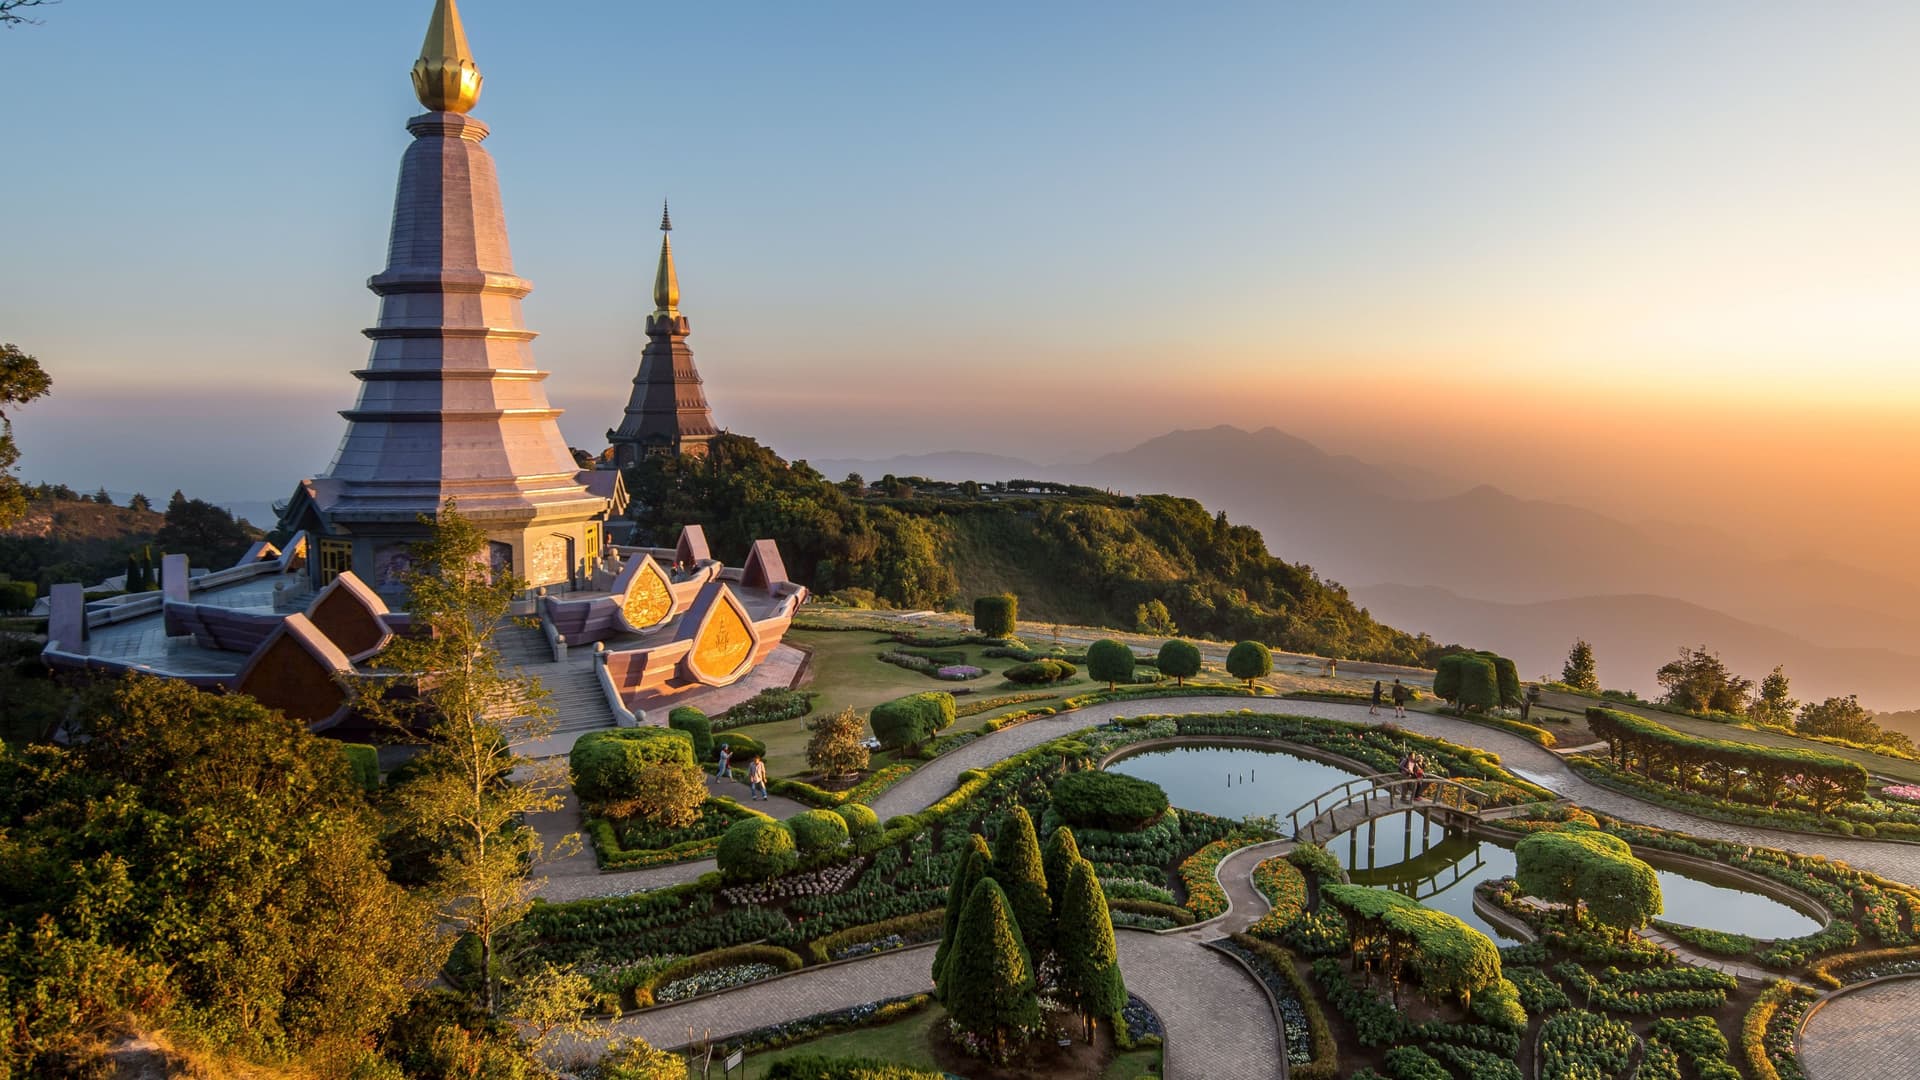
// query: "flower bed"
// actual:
[[959, 672], [1579, 1045], [1285, 887], [774, 1036], [768, 706], [1711, 942], [864, 792], [1766, 1036], [976, 706], [822, 882], [637, 846], [1650, 990], [1205, 897], [1312, 1052], [707, 982]]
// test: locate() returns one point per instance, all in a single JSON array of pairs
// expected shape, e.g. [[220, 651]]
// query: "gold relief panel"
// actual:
[[724, 643], [649, 602]]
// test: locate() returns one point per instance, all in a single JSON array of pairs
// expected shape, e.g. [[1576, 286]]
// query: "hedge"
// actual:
[[698, 728], [996, 616], [819, 830], [744, 747], [1832, 780], [865, 791], [606, 765], [1040, 672], [906, 722], [1111, 801], [823, 1067], [363, 760], [923, 926]]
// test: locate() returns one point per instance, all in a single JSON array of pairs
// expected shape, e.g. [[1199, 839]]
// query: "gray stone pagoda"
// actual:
[[668, 411], [451, 406]]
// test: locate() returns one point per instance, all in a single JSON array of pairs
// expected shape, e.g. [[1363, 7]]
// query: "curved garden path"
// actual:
[[1210, 1010], [1868, 1034]]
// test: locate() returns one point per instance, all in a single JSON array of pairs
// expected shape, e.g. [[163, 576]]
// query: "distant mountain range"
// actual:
[[1524, 574]]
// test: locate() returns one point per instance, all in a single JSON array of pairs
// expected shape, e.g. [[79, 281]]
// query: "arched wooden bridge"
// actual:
[[1365, 798]]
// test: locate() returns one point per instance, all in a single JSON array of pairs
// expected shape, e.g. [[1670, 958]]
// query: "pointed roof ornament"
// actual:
[[445, 78], [666, 283]]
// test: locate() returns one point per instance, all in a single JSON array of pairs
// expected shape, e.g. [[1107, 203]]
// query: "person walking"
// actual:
[[726, 762], [1374, 709], [1399, 699], [757, 779]]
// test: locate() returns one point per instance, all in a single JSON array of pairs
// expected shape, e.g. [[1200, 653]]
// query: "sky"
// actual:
[[1661, 259]]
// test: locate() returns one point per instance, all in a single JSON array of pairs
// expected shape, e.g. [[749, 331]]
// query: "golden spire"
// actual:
[[666, 284], [445, 78]]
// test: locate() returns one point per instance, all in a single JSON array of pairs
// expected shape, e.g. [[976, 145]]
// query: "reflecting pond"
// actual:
[[1414, 856]]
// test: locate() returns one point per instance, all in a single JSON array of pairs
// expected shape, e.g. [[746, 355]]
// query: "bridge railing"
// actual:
[[1398, 790]]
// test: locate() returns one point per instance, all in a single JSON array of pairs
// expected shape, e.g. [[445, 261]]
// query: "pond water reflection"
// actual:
[[1411, 855]]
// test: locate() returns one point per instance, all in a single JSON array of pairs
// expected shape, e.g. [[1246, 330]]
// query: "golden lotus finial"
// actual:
[[666, 284], [445, 77]]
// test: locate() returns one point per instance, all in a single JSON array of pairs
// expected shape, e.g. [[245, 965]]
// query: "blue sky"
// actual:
[[1051, 230]]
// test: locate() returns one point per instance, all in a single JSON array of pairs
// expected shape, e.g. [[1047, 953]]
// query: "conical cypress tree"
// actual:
[[133, 575], [990, 990], [975, 863], [150, 574], [1089, 958], [1062, 851], [1022, 874]]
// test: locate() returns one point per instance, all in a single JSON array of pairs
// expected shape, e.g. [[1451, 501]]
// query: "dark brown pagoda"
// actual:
[[668, 412]]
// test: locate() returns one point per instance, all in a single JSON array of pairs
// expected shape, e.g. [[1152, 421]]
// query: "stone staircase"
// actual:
[[573, 687]]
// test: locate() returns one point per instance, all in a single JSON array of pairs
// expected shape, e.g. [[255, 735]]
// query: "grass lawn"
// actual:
[[909, 1042]]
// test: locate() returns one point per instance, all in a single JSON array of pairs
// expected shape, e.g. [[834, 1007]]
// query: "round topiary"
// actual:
[[1250, 660], [745, 747], [906, 722], [818, 830], [1041, 672], [1110, 662], [1180, 659], [1111, 801], [755, 849], [996, 616], [860, 819]]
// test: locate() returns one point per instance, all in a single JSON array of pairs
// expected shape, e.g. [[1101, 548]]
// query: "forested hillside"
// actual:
[[64, 536], [1072, 554]]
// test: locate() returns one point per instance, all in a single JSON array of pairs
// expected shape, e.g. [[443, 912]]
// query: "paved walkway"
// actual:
[[1865, 1035]]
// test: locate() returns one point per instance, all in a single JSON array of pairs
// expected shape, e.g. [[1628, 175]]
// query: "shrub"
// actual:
[[996, 616], [743, 747], [1180, 659], [1567, 866], [818, 830], [757, 849], [906, 722], [1249, 660], [364, 760], [1451, 958], [768, 706], [1104, 800], [606, 765], [836, 743], [861, 820], [668, 796], [1413, 1063], [17, 595], [823, 1067], [698, 728], [1110, 662], [1499, 1005], [1041, 672]]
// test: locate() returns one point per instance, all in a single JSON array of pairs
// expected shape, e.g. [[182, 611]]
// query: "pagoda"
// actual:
[[667, 412], [451, 407]]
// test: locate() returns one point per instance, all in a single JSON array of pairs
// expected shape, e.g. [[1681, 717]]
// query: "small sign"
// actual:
[[734, 1059]]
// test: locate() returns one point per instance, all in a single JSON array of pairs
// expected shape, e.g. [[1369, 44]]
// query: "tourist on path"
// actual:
[[726, 762], [757, 779], [1399, 699], [1374, 709]]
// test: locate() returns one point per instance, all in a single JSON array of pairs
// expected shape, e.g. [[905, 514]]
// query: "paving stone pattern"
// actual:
[[1869, 1034]]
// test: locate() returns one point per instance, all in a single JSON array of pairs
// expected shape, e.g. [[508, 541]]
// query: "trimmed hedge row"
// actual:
[[1744, 771], [922, 926], [863, 792]]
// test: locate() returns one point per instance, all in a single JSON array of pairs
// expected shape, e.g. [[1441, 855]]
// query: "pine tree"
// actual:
[[990, 990], [1579, 671], [975, 864], [1021, 872], [1776, 704], [1089, 958], [1062, 851]]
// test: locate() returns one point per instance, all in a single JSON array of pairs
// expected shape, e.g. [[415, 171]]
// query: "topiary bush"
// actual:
[[757, 849], [745, 747], [606, 765], [1111, 801], [1110, 662], [818, 830], [698, 728], [996, 616], [17, 596], [1249, 660], [861, 820], [1180, 659], [364, 760], [906, 722], [1041, 672]]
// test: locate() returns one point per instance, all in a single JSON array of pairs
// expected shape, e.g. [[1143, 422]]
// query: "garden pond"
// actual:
[[1411, 855]]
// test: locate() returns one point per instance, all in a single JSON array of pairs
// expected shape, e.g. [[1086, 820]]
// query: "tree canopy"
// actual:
[[21, 380]]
